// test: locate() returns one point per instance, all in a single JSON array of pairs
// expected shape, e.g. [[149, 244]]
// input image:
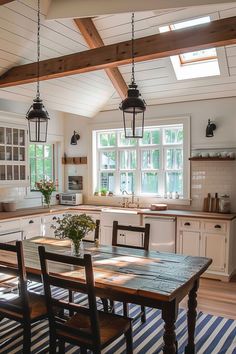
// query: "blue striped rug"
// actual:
[[214, 335]]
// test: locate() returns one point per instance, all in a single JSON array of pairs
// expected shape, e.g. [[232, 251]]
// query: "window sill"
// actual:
[[143, 200]]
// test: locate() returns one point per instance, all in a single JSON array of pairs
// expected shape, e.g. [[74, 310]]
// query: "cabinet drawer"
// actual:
[[31, 222], [9, 225], [215, 226], [47, 219], [190, 224]]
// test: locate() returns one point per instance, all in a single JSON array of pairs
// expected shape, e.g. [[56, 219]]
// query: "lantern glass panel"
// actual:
[[133, 124], [38, 130]]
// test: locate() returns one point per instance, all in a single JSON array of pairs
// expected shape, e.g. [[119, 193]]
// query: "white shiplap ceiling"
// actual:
[[87, 94]]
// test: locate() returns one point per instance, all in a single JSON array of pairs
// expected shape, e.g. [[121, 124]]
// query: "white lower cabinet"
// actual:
[[106, 235], [214, 246], [10, 231], [123, 218], [212, 239], [190, 242], [48, 221], [31, 227]]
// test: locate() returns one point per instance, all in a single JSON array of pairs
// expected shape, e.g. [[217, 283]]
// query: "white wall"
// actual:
[[15, 112], [81, 125], [222, 111]]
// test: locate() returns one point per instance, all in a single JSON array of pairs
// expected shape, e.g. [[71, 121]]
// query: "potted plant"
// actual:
[[46, 188], [74, 227], [103, 192]]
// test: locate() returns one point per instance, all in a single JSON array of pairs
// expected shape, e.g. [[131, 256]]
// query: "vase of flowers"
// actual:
[[46, 188], [74, 227]]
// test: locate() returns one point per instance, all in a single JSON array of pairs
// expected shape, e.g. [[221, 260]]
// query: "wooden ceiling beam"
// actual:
[[3, 2], [94, 40], [214, 34]]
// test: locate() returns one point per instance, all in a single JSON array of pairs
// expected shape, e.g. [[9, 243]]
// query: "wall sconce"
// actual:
[[75, 137], [210, 129]]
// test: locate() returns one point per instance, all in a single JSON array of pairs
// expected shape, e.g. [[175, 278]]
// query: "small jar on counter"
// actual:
[[224, 204]]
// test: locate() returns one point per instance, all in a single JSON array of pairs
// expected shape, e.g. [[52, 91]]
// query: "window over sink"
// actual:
[[152, 166]]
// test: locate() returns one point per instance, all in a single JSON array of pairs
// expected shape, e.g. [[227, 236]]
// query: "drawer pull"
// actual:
[[217, 226], [187, 224], [31, 222], [54, 218]]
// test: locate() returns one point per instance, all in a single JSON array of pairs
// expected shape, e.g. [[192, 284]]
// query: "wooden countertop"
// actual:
[[31, 212], [4, 216], [170, 213]]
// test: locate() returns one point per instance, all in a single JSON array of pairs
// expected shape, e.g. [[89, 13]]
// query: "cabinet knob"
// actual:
[[187, 224], [217, 226], [54, 218], [31, 221]]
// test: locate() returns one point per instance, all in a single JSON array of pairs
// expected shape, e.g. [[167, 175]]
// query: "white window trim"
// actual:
[[174, 61], [149, 122], [58, 172]]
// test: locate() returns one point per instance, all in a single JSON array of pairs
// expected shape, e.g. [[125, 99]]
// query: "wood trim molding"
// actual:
[[214, 34], [94, 40]]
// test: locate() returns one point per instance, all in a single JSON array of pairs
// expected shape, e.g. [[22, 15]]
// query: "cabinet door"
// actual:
[[214, 246], [48, 231], [48, 222], [106, 235], [134, 238], [32, 227], [190, 243]]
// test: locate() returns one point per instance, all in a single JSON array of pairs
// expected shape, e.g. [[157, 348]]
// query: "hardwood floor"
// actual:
[[217, 298]]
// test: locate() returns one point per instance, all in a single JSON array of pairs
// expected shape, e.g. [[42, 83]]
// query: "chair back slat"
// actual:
[[80, 285], [19, 271], [67, 284], [145, 230]]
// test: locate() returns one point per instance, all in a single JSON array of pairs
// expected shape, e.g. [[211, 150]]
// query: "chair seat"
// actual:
[[111, 327], [37, 306]]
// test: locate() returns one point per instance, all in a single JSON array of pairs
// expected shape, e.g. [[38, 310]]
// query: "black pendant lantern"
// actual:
[[133, 106], [37, 114]]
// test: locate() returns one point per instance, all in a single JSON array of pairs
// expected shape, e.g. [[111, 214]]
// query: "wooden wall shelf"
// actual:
[[212, 158], [74, 160]]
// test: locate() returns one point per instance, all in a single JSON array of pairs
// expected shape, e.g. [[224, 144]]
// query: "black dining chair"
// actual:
[[27, 307], [87, 328], [144, 233]]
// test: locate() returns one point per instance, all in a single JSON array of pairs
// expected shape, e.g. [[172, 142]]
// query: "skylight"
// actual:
[[195, 64]]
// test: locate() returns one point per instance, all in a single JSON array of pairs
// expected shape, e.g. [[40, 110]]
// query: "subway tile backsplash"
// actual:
[[212, 177]]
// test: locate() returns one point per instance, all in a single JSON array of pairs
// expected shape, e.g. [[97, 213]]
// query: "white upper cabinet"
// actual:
[[13, 156]]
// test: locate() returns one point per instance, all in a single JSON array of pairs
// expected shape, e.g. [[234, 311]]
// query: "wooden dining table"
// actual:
[[149, 278]]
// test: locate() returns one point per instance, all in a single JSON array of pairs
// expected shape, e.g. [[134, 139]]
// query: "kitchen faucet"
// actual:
[[126, 203]]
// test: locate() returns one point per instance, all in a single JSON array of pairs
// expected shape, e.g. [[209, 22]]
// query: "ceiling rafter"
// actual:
[[92, 37], [214, 34], [3, 2]]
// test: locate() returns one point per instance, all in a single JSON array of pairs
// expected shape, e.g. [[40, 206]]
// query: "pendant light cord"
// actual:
[[38, 49], [132, 50]]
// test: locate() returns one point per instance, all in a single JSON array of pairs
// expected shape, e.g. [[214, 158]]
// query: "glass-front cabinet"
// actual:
[[13, 156]]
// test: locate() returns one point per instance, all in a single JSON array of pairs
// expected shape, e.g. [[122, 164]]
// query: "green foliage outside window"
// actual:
[[41, 163]]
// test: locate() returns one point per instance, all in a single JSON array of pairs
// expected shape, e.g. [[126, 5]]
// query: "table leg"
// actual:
[[192, 315], [169, 315]]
